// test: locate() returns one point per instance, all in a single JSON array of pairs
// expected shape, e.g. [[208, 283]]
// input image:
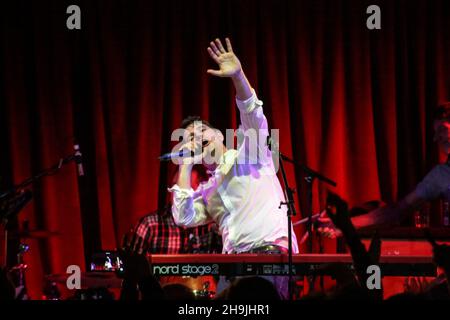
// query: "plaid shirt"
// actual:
[[159, 232]]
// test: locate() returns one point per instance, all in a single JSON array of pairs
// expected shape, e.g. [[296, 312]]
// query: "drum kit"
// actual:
[[18, 270], [103, 281], [100, 283], [100, 286], [96, 284]]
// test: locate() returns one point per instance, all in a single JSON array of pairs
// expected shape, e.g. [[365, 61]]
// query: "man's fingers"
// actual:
[[213, 55], [214, 48], [229, 47], [194, 144], [189, 146], [217, 73], [220, 46]]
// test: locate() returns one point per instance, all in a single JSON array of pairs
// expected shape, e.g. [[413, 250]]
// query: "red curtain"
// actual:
[[352, 103]]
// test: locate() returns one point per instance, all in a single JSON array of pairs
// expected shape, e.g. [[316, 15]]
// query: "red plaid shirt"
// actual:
[[159, 232]]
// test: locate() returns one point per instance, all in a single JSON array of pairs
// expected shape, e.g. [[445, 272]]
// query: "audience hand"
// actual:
[[135, 263], [441, 254], [416, 285]]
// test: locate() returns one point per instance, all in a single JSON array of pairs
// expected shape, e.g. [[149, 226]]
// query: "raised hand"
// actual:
[[416, 285], [229, 64], [133, 255], [7, 289], [328, 224], [441, 256], [441, 252]]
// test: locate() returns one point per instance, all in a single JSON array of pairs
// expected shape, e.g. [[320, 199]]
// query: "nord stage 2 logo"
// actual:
[[186, 269]]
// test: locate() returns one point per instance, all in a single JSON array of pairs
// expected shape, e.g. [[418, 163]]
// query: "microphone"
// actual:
[[79, 160], [175, 155], [183, 153]]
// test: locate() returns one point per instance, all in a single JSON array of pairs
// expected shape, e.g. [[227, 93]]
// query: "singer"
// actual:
[[242, 197]]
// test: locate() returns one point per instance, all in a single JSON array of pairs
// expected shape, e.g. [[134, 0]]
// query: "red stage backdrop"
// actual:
[[350, 102]]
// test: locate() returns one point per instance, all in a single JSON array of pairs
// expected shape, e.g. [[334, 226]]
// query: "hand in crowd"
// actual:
[[133, 255], [7, 290], [335, 218], [337, 211], [416, 285], [441, 254]]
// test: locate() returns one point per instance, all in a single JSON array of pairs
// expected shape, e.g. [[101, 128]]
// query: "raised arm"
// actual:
[[389, 215], [250, 107]]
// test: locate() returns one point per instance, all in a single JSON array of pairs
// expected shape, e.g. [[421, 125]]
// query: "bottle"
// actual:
[[422, 216]]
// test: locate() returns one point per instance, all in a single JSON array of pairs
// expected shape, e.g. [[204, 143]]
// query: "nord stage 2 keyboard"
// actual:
[[260, 264]]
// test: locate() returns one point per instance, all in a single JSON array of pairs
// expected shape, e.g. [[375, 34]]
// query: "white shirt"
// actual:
[[243, 194]]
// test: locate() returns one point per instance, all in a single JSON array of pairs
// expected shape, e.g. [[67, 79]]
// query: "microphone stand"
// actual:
[[288, 192], [310, 176], [46, 172], [8, 208]]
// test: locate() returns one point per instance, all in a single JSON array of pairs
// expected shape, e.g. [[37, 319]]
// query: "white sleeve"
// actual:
[[251, 112], [188, 208], [253, 123]]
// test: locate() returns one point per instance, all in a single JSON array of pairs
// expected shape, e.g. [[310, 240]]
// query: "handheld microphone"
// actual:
[[176, 155], [182, 153], [79, 160]]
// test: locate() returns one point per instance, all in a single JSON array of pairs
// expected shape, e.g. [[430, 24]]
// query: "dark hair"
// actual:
[[442, 112], [178, 291], [252, 288], [191, 119]]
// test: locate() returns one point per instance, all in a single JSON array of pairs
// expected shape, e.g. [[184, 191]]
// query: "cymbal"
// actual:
[[37, 234], [90, 279]]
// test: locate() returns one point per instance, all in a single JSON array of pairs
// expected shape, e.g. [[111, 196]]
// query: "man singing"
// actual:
[[243, 194]]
